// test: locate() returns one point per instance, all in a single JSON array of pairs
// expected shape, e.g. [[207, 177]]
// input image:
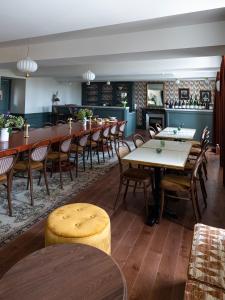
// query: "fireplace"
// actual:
[[153, 116]]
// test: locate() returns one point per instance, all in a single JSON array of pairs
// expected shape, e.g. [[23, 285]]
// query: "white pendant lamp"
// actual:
[[88, 76], [218, 85], [27, 65]]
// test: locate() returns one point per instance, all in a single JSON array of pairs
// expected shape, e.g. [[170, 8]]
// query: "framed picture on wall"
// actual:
[[155, 94], [183, 94], [205, 96]]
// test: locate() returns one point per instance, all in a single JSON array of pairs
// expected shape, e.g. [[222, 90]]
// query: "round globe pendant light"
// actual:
[[88, 76], [27, 65]]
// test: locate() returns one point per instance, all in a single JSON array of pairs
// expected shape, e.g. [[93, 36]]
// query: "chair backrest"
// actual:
[[7, 161], [83, 140], [197, 165], [138, 140], [151, 132], [48, 124], [158, 127], [113, 129], [60, 122], [122, 149], [96, 135], [39, 151], [105, 132], [122, 126], [65, 144]]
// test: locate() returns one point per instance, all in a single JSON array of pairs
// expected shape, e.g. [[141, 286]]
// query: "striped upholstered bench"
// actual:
[[206, 271]]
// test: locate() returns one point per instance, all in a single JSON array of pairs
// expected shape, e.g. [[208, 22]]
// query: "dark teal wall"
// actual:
[[6, 88], [191, 119]]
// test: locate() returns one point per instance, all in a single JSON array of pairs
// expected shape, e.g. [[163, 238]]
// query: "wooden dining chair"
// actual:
[[171, 184], [196, 143], [131, 177], [94, 145], [152, 132], [7, 162], [158, 127], [36, 161], [79, 148], [60, 160], [113, 136], [138, 140], [121, 130], [104, 143]]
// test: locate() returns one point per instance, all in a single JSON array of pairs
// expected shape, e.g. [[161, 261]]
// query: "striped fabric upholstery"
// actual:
[[199, 291], [96, 135], [39, 154], [65, 146], [6, 164], [106, 132], [83, 140], [207, 262]]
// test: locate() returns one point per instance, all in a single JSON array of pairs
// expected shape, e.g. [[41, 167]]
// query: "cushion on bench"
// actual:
[[207, 259], [199, 291]]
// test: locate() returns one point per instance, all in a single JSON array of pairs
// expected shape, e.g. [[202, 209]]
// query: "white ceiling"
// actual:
[[118, 40]]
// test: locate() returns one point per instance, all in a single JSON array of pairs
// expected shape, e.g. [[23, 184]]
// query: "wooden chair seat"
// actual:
[[3, 178], [196, 143], [137, 174], [76, 148], [23, 165], [92, 143], [189, 166], [195, 151], [175, 183], [57, 155]]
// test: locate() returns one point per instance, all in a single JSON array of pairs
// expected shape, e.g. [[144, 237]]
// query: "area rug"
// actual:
[[25, 215]]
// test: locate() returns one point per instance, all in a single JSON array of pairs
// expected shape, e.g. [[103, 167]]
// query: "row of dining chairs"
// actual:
[[43, 156]]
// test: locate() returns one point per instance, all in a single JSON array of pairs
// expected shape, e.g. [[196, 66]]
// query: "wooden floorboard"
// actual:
[[153, 259]]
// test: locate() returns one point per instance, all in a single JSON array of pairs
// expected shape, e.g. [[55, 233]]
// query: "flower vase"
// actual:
[[4, 134]]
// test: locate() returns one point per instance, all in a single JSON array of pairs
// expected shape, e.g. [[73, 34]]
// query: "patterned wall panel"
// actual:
[[170, 92], [140, 95], [171, 88]]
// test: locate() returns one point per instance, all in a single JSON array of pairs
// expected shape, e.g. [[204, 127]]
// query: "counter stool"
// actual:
[[82, 223]]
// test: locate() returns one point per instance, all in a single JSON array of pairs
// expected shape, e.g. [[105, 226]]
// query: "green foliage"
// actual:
[[9, 121], [84, 113]]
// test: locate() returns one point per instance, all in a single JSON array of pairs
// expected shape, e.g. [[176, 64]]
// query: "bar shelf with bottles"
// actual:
[[190, 104]]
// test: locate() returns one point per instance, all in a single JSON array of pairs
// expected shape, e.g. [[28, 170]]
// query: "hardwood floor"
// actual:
[[153, 259]]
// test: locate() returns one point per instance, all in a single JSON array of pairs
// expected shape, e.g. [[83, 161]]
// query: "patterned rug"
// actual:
[[25, 215]]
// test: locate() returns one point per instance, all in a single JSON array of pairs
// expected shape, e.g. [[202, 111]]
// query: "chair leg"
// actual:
[[194, 206], [118, 194], [39, 180], [98, 154], [76, 158], [71, 175], [203, 189], [46, 180], [103, 154], [162, 205], [9, 198], [135, 186], [91, 156], [28, 182], [205, 169], [84, 160], [146, 199], [111, 146], [125, 194], [60, 175], [31, 186]]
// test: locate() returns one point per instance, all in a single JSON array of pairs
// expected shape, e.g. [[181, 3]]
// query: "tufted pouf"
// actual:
[[79, 223]]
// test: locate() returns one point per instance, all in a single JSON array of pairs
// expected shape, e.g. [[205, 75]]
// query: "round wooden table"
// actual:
[[68, 271]]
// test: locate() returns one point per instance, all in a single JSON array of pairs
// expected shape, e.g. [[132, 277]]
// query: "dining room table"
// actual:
[[54, 134], [176, 133], [159, 154], [65, 271]]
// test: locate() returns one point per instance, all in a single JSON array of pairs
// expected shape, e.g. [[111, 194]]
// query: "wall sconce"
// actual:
[[1, 95]]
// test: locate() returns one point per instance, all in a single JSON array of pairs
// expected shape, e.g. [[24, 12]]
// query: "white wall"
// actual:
[[39, 92], [18, 95]]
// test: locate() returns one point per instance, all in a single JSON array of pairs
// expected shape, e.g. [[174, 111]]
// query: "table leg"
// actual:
[[153, 216]]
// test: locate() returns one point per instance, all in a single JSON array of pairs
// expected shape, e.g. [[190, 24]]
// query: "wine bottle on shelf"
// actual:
[[183, 104], [179, 104], [176, 104], [187, 104]]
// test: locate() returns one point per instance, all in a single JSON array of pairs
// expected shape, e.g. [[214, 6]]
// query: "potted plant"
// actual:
[[83, 114], [7, 122]]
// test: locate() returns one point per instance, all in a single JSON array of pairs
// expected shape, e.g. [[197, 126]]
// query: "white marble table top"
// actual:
[[182, 134], [149, 156], [168, 145]]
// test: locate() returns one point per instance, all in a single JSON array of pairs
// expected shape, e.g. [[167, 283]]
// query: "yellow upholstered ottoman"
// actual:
[[79, 223]]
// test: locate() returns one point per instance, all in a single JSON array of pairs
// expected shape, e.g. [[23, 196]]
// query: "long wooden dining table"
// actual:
[[53, 134]]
